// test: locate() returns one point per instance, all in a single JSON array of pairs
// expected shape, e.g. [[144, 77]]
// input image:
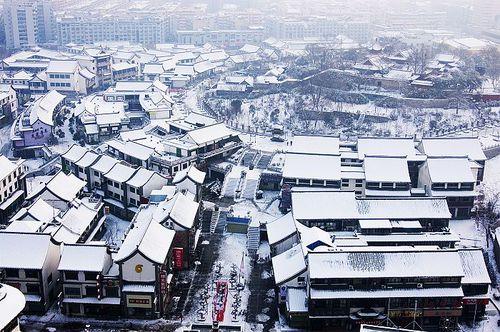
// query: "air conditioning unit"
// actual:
[[383, 286], [351, 287], [419, 285]]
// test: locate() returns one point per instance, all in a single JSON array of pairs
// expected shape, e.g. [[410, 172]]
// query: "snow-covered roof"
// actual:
[[6, 166], [39, 210], [88, 159], [389, 147], [184, 70], [43, 108], [153, 69], [336, 205], [87, 74], [288, 264], [75, 222], [199, 119], [386, 169], [248, 48], [453, 147], [24, 226], [134, 86], [243, 58], [122, 66], [62, 66], [312, 237], [324, 145], [87, 258], [132, 149], [215, 56], [104, 164], [12, 302], [375, 224], [141, 177], [74, 153], [120, 173], [204, 66], [474, 266], [296, 300], [280, 228], [442, 170], [191, 173], [150, 239], [23, 250], [403, 264], [22, 75], [378, 328], [209, 133], [387, 293], [180, 210], [64, 186], [316, 167], [410, 238]]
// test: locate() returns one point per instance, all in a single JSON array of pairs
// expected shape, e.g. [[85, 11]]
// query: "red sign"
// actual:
[[178, 257], [475, 301]]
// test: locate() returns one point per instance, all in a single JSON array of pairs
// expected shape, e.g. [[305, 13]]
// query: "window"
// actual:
[[116, 185], [71, 275], [96, 173], [112, 291], [91, 290], [91, 276], [438, 186], [132, 190], [12, 273], [32, 274], [72, 291], [32, 289]]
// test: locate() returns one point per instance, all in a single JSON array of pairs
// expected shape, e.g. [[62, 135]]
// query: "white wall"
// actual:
[[129, 269]]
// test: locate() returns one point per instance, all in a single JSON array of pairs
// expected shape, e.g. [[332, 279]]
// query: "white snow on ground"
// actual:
[[492, 174], [232, 251], [115, 231]]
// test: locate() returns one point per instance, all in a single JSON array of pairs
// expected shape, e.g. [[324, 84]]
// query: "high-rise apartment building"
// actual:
[[28, 23]]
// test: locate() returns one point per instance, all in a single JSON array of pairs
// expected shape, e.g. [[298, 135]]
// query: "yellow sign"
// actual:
[[138, 268]]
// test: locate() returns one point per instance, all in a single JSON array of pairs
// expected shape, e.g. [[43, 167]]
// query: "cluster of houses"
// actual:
[[194, 139], [54, 248], [388, 167], [397, 70], [82, 69], [366, 237]]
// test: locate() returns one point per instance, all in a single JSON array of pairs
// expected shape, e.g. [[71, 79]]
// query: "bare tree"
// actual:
[[419, 56], [320, 56], [491, 59], [487, 212]]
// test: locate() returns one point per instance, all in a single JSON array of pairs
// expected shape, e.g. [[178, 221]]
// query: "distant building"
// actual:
[[147, 30], [34, 127], [28, 261], [28, 23], [12, 186], [8, 104], [90, 281], [69, 77], [225, 38]]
